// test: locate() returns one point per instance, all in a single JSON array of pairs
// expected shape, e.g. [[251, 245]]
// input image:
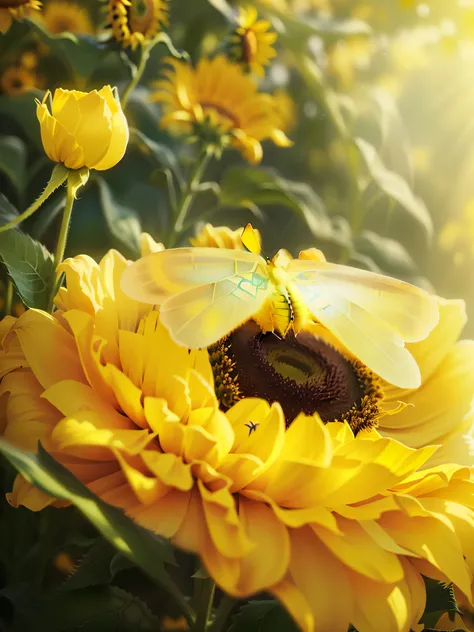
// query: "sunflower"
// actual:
[[15, 10], [314, 373], [61, 16], [219, 237], [286, 108], [251, 43], [218, 103], [17, 79], [138, 21], [339, 528]]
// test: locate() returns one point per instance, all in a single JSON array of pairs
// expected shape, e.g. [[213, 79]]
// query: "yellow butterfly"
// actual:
[[206, 293]]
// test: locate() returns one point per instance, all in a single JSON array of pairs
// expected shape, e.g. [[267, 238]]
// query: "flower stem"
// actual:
[[226, 606], [137, 75], [204, 607], [8, 298], [189, 192], [61, 245], [59, 175]]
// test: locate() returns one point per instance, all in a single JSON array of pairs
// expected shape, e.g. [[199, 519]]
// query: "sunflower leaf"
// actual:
[[94, 569], [147, 550], [389, 255], [263, 616], [13, 161], [28, 262], [439, 600], [393, 186]]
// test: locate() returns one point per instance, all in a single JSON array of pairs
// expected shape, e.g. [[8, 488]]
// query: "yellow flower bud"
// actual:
[[83, 129]]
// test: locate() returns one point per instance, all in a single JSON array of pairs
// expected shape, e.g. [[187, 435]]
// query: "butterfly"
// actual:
[[206, 293]]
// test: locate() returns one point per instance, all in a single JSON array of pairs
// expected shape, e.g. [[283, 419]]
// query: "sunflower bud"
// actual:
[[83, 129]]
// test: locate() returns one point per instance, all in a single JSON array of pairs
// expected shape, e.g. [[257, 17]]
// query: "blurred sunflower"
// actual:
[[339, 528], [286, 109], [220, 237], [17, 79], [61, 16], [15, 10], [219, 104], [136, 22], [251, 44]]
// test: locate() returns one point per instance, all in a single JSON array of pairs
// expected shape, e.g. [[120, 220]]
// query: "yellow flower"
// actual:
[[252, 42], [220, 237], [16, 80], [314, 373], [339, 528], [220, 104], [61, 16], [15, 10], [83, 129], [135, 22]]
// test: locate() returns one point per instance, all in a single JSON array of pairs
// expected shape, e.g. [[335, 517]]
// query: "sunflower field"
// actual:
[[236, 296]]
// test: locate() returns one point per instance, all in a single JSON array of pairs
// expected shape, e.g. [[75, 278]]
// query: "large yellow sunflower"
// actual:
[[136, 22], [219, 103], [60, 16], [15, 10], [315, 373], [252, 41], [339, 528]]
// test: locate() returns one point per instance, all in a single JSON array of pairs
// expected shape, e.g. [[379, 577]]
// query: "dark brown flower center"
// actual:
[[142, 15], [303, 373]]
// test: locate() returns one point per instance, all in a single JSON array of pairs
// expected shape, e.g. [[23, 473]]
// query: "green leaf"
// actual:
[[147, 550], [395, 187], [21, 109], [28, 262], [245, 186], [94, 569], [439, 599], [388, 254], [104, 608], [123, 223], [13, 161], [161, 154], [263, 616]]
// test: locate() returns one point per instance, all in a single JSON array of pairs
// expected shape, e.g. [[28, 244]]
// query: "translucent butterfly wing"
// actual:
[[158, 276], [372, 341], [202, 315], [406, 309]]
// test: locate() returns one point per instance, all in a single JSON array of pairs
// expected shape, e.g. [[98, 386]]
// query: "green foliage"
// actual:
[[439, 599], [28, 262], [263, 616]]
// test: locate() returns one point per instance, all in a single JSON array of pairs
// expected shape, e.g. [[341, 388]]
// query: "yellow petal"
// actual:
[[94, 132], [24, 493], [118, 144], [165, 516], [295, 602]]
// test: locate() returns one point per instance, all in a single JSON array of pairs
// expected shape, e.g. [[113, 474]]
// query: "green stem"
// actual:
[[226, 606], [137, 75], [61, 245], [189, 193], [59, 175], [8, 298], [204, 607]]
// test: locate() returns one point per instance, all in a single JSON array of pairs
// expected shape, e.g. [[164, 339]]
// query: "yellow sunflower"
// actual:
[[15, 10], [17, 79], [138, 21], [252, 41], [339, 528], [286, 108], [220, 104], [314, 373], [62, 16]]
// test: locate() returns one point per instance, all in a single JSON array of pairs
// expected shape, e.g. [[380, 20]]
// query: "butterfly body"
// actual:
[[206, 293]]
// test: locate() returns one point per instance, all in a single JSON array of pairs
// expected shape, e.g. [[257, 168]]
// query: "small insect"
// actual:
[[251, 426], [206, 293]]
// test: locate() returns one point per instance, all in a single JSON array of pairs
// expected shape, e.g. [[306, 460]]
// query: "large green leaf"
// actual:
[[13, 161], [395, 187], [147, 550], [245, 186], [263, 616], [123, 222], [28, 262]]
